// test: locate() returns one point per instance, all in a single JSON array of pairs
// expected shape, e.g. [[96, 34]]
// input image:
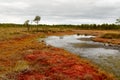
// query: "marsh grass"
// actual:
[[21, 66], [8, 33], [111, 36]]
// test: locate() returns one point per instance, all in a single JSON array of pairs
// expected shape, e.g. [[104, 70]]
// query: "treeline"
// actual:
[[5, 25], [82, 26], [91, 26]]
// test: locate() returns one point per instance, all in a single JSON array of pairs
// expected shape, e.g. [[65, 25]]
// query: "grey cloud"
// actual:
[[61, 11]]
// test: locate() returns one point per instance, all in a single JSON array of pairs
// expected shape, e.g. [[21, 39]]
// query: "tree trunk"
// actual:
[[28, 27], [37, 27]]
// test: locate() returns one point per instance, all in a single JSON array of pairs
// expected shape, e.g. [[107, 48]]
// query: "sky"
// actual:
[[60, 11]]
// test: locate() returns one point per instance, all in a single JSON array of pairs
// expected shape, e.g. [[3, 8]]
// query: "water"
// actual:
[[107, 57]]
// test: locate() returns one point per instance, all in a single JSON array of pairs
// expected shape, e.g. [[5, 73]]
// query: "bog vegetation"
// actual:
[[111, 36], [33, 28]]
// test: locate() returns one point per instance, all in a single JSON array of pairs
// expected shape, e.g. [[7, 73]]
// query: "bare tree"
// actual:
[[36, 20]]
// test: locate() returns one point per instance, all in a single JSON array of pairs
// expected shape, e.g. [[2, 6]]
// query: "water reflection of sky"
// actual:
[[64, 41], [84, 48]]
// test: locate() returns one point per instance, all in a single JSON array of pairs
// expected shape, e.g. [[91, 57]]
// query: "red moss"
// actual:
[[30, 76], [30, 57], [55, 63]]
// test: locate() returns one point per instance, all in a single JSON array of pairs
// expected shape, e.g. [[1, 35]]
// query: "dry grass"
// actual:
[[111, 36], [7, 33]]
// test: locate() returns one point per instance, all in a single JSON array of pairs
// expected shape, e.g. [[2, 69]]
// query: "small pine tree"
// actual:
[[36, 20], [26, 23]]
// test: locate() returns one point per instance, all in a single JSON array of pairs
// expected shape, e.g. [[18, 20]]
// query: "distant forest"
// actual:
[[82, 26]]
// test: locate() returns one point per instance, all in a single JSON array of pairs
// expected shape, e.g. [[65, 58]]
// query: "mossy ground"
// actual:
[[22, 57]]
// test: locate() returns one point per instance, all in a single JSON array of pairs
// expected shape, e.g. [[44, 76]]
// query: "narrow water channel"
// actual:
[[107, 57]]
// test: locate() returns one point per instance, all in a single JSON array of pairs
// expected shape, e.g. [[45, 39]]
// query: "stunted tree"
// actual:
[[118, 21], [36, 20], [26, 23]]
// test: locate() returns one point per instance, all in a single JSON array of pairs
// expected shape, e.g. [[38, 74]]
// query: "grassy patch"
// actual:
[[21, 66], [111, 36]]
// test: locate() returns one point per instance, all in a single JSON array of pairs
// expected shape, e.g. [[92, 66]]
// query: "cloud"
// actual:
[[60, 11], [17, 5]]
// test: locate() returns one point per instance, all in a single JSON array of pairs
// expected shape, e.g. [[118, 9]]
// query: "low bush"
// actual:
[[111, 36]]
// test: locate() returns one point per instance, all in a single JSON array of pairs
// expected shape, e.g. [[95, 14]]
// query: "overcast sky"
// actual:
[[60, 11]]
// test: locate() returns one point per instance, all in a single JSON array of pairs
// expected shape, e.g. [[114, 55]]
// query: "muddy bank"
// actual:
[[99, 34], [110, 42]]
